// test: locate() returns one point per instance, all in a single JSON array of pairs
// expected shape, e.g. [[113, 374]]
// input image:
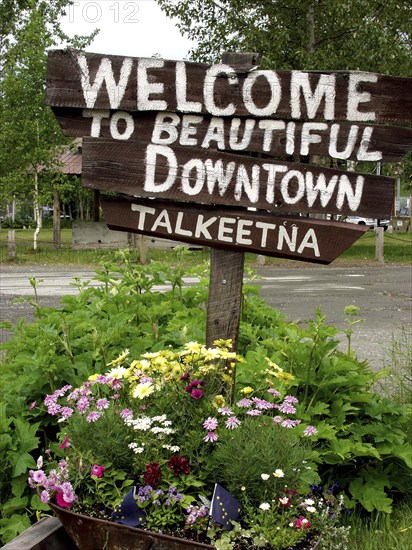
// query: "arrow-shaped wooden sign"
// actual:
[[241, 230]]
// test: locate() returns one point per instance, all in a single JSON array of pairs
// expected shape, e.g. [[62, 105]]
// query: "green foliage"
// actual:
[[357, 35], [362, 440]]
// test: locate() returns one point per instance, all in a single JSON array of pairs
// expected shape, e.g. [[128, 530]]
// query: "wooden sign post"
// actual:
[[215, 155]]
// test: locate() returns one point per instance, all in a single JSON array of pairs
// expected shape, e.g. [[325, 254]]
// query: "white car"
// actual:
[[370, 222]]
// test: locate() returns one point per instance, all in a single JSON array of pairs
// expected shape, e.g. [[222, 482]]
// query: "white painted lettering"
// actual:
[[216, 173], [325, 89], [363, 153], [105, 74], [243, 183], [284, 237], [290, 138], [284, 186], [143, 210], [188, 130], [209, 89], [234, 142], [346, 191], [272, 170], [152, 153], [242, 233], [114, 130], [165, 123], [355, 97], [201, 227], [178, 229], [215, 132], [145, 88], [198, 166], [275, 93], [268, 127], [224, 231], [163, 220], [309, 241], [320, 188], [183, 104], [307, 137], [350, 145], [97, 116], [265, 227]]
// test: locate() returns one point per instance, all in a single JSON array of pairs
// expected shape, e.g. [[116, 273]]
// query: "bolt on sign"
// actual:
[[212, 154]]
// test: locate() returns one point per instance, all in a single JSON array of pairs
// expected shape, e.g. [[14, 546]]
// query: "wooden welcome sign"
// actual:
[[213, 154]]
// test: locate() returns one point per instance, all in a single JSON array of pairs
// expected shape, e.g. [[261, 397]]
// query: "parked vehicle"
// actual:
[[372, 223]]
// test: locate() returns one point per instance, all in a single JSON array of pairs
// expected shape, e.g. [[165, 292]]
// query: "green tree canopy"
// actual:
[[301, 34]]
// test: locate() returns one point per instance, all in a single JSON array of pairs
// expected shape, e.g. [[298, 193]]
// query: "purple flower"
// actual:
[[97, 470], [232, 422], [185, 376], [274, 392], [65, 443], [288, 423], [254, 412], [45, 496], [93, 416], [291, 399], [225, 411], [116, 384], [53, 408], [210, 423], [277, 419], [287, 408], [262, 403], [32, 405], [245, 402], [66, 412], [83, 404], [102, 404], [126, 413], [39, 476], [196, 394], [211, 436], [310, 430]]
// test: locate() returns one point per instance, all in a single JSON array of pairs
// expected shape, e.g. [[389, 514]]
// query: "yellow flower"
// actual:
[[121, 359], [285, 376], [272, 365], [143, 390], [93, 377], [218, 401], [118, 372], [246, 390], [223, 343]]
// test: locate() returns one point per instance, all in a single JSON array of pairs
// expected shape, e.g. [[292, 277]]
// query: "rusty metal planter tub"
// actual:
[[96, 534]]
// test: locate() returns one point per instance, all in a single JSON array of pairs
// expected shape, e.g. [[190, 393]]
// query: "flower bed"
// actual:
[[175, 444]]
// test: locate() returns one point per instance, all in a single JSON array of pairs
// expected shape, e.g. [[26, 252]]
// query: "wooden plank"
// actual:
[[88, 80], [187, 175], [239, 230], [225, 296], [265, 136]]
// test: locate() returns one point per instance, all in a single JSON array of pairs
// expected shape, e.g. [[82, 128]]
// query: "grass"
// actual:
[[383, 532], [397, 249]]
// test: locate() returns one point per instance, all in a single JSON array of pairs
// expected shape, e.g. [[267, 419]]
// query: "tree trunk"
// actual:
[[56, 220], [37, 210]]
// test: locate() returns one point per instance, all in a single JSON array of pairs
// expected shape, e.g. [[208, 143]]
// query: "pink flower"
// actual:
[[310, 430], [245, 402], [126, 413], [211, 436], [274, 392], [302, 523], [32, 405], [232, 423], [210, 423], [102, 404], [284, 501], [93, 416], [39, 476], [65, 443], [61, 502], [196, 394], [44, 496], [277, 419], [97, 470]]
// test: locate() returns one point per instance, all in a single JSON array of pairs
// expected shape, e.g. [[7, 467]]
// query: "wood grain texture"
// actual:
[[392, 141], [233, 229], [123, 166], [390, 97]]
